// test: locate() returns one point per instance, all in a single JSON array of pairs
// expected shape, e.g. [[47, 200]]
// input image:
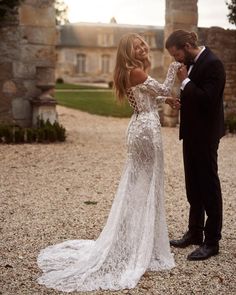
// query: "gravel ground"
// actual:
[[44, 188]]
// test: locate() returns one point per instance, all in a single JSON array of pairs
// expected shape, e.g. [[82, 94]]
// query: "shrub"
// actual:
[[60, 81], [99, 81], [31, 135], [45, 132], [19, 135], [6, 134], [230, 123], [61, 132], [110, 84]]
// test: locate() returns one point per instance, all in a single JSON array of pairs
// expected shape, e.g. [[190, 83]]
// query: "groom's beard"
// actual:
[[188, 58]]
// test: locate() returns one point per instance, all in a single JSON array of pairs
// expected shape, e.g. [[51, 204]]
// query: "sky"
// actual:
[[143, 12]]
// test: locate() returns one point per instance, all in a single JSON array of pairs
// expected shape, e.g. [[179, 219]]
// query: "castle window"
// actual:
[[150, 39], [105, 39], [81, 63], [105, 64]]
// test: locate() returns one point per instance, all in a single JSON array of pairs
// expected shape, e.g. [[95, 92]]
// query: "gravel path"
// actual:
[[43, 190]]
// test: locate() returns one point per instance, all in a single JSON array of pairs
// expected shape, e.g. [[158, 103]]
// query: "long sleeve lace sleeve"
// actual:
[[160, 90]]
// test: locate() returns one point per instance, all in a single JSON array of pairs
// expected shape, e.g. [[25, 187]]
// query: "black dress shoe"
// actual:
[[204, 252], [188, 239]]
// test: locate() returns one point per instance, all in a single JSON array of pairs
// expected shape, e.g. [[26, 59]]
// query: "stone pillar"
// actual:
[[180, 14], [28, 43]]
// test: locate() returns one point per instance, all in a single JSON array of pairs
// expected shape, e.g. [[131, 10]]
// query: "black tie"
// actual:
[[190, 63]]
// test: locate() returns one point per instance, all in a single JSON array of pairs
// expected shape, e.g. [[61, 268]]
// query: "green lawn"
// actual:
[[75, 86], [95, 102]]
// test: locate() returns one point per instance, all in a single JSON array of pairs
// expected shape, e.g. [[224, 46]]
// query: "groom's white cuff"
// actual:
[[184, 82]]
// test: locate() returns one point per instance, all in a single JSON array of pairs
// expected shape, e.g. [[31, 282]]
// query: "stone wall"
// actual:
[[27, 43], [223, 44]]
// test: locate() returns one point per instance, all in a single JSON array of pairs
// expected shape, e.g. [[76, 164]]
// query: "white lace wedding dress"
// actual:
[[135, 237]]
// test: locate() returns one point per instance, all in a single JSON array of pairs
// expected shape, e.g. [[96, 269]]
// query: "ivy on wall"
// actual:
[[8, 8]]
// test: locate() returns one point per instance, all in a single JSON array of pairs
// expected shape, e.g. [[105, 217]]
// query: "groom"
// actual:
[[202, 78]]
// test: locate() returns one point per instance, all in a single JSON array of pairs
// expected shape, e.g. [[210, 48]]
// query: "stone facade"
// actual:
[[86, 52], [27, 42]]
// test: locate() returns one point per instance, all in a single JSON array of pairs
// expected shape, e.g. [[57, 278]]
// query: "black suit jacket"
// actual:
[[202, 111]]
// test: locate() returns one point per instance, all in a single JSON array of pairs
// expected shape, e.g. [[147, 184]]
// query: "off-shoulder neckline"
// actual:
[[148, 77]]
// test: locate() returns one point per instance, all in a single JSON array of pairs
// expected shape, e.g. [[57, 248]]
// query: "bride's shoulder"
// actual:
[[137, 76]]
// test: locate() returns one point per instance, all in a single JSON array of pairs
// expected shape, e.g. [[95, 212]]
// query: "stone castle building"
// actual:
[[32, 51], [86, 51]]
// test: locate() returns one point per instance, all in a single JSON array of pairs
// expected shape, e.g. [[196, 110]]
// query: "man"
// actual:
[[202, 78]]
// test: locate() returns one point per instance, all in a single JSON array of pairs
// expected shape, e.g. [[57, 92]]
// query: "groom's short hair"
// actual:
[[180, 37]]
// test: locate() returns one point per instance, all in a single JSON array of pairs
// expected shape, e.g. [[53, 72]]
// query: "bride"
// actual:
[[135, 237]]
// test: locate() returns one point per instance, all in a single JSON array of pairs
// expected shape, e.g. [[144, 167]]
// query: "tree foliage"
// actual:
[[8, 8], [61, 10], [232, 11]]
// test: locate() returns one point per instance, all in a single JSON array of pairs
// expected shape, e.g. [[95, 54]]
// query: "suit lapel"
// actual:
[[200, 60]]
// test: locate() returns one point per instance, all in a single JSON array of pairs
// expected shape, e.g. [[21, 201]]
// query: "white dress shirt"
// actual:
[[186, 80]]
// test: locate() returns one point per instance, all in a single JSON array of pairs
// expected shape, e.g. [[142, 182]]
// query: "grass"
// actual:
[[94, 102], [62, 86]]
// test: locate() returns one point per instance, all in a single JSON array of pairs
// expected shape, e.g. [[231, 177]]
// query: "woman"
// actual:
[[135, 237]]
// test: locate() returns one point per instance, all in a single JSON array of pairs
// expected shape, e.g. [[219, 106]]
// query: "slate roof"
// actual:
[[85, 34]]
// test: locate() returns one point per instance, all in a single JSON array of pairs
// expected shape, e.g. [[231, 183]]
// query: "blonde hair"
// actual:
[[179, 38], [125, 62]]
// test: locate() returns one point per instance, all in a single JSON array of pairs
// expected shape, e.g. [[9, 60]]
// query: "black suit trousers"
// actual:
[[203, 189]]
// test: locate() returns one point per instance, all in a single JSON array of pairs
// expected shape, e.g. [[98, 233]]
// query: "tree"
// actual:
[[232, 11], [61, 10], [8, 9]]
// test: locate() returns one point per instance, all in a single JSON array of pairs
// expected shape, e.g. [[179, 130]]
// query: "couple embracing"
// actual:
[[135, 237]]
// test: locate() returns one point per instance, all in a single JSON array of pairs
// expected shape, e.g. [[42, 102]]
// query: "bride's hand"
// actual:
[[176, 65], [173, 102]]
